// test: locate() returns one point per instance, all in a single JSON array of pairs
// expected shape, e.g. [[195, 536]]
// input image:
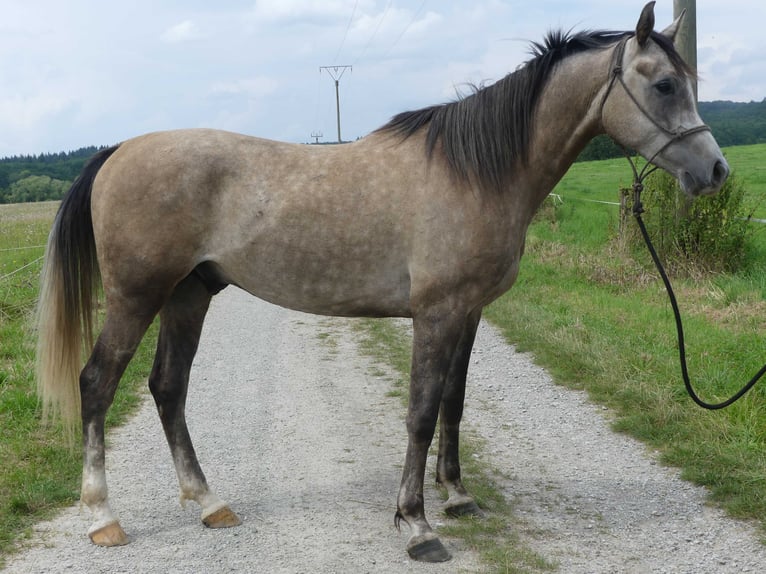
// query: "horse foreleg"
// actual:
[[435, 337], [98, 383], [181, 320], [459, 502]]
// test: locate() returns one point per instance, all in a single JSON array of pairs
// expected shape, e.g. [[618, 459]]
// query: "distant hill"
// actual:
[[48, 176], [735, 123]]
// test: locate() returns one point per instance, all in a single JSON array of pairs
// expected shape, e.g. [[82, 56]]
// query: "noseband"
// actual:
[[674, 135]]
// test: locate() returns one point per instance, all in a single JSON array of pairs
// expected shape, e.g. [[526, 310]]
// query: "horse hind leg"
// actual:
[[181, 320], [459, 501], [122, 332]]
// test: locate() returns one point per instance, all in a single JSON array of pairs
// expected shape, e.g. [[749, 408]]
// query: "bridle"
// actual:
[[638, 187]]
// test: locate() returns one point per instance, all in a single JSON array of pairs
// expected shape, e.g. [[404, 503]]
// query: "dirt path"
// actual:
[[294, 430]]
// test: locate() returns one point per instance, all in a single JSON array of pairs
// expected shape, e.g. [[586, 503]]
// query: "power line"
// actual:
[[348, 27], [407, 27], [374, 32]]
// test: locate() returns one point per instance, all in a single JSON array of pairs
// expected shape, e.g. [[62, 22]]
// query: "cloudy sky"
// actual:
[[87, 72]]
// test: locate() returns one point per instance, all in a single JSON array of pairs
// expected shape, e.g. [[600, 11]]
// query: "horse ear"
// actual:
[[645, 24], [672, 30]]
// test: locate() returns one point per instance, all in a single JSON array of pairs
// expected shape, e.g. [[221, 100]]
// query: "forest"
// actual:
[[48, 176], [40, 177]]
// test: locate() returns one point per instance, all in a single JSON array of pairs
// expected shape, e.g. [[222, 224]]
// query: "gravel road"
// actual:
[[294, 430]]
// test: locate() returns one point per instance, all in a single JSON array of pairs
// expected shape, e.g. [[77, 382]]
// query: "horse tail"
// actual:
[[69, 286]]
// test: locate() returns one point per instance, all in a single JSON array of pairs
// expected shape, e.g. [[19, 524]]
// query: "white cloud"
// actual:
[[287, 10], [731, 68], [251, 88], [182, 32], [20, 112]]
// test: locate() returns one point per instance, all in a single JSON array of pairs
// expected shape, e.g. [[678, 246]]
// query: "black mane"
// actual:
[[487, 132]]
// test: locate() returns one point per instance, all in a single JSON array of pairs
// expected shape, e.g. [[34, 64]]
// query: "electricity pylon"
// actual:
[[336, 72]]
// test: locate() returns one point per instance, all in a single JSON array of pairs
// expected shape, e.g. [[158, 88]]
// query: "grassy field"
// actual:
[[39, 473], [601, 180]]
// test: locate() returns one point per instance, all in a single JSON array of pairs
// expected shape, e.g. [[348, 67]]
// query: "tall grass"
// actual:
[[709, 234]]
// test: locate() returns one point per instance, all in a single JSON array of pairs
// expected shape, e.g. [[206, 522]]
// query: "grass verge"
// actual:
[[618, 343], [39, 474]]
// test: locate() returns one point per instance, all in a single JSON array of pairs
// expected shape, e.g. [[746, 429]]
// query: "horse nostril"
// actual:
[[720, 173]]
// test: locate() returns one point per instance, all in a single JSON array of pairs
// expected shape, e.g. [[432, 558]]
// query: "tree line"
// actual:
[[41, 177], [48, 176]]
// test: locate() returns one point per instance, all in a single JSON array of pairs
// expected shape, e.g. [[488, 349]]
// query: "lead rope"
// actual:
[[638, 187], [638, 209]]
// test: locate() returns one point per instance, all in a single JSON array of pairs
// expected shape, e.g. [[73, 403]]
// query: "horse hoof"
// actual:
[[110, 535], [468, 508], [221, 518], [429, 550]]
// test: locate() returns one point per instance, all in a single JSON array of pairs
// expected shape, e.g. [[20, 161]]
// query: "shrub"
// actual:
[[707, 234]]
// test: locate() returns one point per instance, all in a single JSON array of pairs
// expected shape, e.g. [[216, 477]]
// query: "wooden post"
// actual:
[[686, 39]]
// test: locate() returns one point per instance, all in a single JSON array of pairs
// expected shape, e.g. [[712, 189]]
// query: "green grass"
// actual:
[[39, 473], [602, 180]]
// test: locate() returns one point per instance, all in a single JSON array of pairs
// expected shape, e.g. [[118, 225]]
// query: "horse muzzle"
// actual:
[[705, 182]]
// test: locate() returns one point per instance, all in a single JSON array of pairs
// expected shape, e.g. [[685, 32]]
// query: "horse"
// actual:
[[424, 218]]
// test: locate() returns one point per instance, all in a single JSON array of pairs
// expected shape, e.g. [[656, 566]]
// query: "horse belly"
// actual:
[[358, 281]]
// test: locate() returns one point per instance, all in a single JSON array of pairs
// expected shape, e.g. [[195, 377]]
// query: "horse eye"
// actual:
[[665, 87]]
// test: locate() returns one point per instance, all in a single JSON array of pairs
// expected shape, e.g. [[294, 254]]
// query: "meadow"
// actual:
[[593, 313]]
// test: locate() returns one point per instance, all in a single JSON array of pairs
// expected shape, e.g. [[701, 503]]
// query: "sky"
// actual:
[[88, 72]]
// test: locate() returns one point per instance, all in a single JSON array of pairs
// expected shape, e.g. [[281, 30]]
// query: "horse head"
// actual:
[[649, 106]]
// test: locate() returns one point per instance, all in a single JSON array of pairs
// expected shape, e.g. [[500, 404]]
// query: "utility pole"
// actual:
[[686, 44], [336, 73], [316, 136], [686, 39]]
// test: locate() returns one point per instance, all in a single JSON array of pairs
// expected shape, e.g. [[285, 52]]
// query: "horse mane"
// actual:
[[485, 133]]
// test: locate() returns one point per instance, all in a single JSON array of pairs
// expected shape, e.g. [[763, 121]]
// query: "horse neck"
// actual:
[[568, 117]]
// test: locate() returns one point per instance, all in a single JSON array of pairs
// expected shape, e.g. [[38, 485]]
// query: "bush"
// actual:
[[35, 188], [707, 234]]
